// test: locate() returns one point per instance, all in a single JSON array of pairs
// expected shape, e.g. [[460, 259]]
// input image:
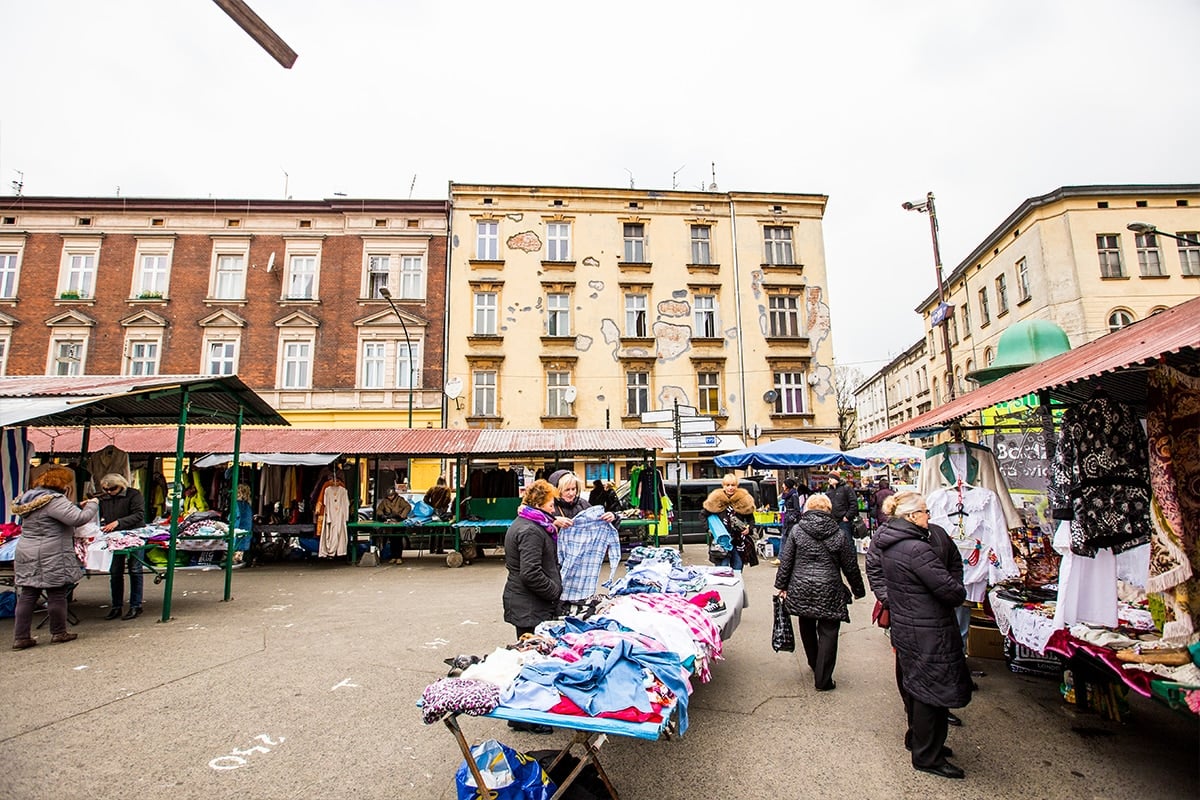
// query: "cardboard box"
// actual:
[[985, 641]]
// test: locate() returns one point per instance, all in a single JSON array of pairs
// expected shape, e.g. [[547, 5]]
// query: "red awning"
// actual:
[[1111, 362]]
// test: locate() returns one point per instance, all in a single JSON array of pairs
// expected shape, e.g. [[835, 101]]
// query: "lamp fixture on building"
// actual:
[[942, 314], [387, 295], [1146, 227]]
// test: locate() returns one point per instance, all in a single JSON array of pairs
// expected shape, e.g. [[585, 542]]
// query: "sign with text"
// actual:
[[697, 425], [943, 312]]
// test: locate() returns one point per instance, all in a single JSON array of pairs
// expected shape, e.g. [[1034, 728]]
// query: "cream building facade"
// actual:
[[583, 307]]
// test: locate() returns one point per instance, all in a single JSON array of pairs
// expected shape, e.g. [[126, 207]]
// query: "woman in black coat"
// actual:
[[922, 577], [534, 585], [122, 508], [816, 554]]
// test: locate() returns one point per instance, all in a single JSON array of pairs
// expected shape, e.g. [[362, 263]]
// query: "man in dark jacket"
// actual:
[[922, 586], [122, 508], [884, 491], [844, 502]]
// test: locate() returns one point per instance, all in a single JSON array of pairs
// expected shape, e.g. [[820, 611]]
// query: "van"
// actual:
[[687, 504]]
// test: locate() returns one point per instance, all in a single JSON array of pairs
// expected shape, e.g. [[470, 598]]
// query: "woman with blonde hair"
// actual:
[[45, 559], [734, 507], [916, 572]]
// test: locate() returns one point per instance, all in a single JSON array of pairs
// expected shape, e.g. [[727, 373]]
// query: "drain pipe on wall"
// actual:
[[737, 289]]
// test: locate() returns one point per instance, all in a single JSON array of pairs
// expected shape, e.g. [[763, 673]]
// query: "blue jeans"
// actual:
[[734, 560], [116, 581]]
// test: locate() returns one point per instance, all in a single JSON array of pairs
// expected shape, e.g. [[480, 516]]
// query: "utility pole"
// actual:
[[944, 311]]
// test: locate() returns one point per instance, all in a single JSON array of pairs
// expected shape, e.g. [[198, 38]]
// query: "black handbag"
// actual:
[[782, 635]]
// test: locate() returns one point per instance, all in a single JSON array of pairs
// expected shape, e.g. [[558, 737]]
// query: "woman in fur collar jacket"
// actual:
[[734, 507]]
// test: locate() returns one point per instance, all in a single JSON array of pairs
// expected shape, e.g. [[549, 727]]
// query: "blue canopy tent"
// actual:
[[784, 453]]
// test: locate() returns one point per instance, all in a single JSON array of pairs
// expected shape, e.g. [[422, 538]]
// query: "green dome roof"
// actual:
[[1027, 342]]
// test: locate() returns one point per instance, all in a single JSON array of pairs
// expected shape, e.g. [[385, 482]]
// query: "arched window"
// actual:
[[1119, 319], [988, 356], [1157, 309]]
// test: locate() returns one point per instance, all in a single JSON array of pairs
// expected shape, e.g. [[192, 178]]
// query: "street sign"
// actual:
[[653, 417], [697, 425], [697, 442], [687, 411], [943, 312]]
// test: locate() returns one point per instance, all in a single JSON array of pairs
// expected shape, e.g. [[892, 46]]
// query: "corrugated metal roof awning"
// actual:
[[1172, 336]]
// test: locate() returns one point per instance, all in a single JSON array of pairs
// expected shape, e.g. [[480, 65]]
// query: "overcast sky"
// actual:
[[871, 103]]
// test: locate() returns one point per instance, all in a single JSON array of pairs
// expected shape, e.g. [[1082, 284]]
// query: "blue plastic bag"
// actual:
[[508, 775], [421, 512], [8, 604]]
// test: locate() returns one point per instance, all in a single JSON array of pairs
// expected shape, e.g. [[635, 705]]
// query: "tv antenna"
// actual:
[[674, 175], [712, 187], [19, 184], [630, 177], [412, 186]]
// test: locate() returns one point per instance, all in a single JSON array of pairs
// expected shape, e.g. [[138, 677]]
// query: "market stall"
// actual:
[[1121, 596]]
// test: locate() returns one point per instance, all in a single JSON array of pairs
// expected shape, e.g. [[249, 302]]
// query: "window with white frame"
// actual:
[[412, 277], [1002, 294], [708, 393], [296, 364], [483, 393], [558, 314], [636, 315], [637, 392], [153, 270], [408, 364], [1148, 254], [784, 315], [635, 242], [220, 357], [4, 355], [487, 240], [1108, 248], [1119, 319], [81, 275], [985, 313], [1189, 252], [141, 356], [965, 310], [556, 394], [777, 245], [230, 283], [704, 312], [302, 277], [1023, 279], [701, 244], [8, 275], [486, 313], [792, 387], [558, 241], [378, 269], [67, 355], [374, 364]]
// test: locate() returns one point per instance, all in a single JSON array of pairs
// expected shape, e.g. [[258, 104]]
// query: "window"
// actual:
[[1119, 319], [302, 277], [637, 392], [483, 396], [4, 355], [374, 365], [487, 240], [558, 241], [1149, 256], [985, 314], [777, 246], [68, 357], [784, 311], [408, 370], [486, 310], [1189, 253], [701, 249], [704, 307], [297, 364], [8, 275], [636, 309], [635, 242], [1001, 294], [222, 358], [377, 275], [556, 394], [152, 275], [412, 277], [1023, 279], [989, 355], [558, 314], [231, 278], [708, 393], [965, 310], [1108, 245], [142, 358], [791, 387], [81, 275]]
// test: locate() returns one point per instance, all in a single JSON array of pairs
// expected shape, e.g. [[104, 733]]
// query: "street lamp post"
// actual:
[[1146, 227], [387, 295], [928, 208]]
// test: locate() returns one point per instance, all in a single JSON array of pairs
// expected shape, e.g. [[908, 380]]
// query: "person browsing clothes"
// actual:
[[734, 507], [122, 508]]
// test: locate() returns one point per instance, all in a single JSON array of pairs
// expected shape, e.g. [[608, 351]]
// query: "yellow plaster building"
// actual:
[[582, 308]]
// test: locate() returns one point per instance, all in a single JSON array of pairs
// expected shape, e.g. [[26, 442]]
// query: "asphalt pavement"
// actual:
[[304, 686]]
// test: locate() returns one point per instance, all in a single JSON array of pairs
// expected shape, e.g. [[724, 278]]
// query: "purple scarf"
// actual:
[[541, 518]]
